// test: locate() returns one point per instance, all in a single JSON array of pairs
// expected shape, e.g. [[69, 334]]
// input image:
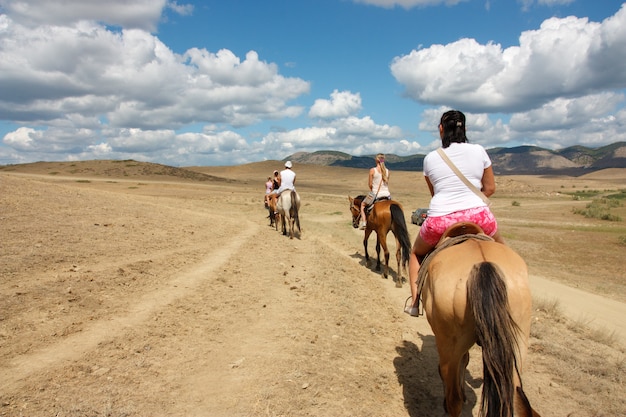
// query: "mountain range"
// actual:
[[573, 161]]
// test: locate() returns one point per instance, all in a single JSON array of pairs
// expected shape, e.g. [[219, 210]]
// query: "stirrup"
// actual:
[[410, 310]]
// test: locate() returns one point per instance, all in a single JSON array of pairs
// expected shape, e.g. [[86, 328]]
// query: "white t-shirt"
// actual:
[[287, 177], [450, 193]]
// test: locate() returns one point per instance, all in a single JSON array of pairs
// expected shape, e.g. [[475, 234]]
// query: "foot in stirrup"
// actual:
[[411, 311], [362, 225]]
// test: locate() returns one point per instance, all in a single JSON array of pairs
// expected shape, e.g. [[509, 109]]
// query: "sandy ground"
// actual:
[[130, 292]]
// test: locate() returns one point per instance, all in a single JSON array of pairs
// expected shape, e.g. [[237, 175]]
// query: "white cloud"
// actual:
[[366, 128], [137, 140], [52, 140], [22, 139], [346, 134], [341, 104], [563, 113], [181, 9], [86, 78], [566, 57], [142, 14]]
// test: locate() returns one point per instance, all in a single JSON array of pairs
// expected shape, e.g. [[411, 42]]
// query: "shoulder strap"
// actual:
[[462, 177]]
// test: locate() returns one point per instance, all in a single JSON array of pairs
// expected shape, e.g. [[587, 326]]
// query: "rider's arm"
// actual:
[[430, 186], [488, 181], [370, 180]]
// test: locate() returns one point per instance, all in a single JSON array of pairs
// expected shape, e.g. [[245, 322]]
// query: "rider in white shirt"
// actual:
[[287, 179], [453, 201]]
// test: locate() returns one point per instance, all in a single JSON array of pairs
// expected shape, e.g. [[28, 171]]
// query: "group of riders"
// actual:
[[279, 182], [275, 185], [459, 177]]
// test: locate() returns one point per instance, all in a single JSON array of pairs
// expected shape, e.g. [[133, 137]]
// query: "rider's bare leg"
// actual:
[[498, 238], [419, 250], [363, 218]]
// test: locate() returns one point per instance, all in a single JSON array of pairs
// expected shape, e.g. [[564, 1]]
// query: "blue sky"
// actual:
[[230, 82]]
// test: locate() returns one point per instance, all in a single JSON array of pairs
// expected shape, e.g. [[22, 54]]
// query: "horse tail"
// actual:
[[496, 333], [398, 226], [294, 207]]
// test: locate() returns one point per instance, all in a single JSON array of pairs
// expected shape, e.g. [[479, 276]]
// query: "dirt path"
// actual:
[[80, 344], [150, 298], [587, 308]]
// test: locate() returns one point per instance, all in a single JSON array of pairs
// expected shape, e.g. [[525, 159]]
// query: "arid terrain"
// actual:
[[130, 289]]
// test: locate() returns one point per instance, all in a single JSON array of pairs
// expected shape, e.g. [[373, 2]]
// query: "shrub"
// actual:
[[600, 209]]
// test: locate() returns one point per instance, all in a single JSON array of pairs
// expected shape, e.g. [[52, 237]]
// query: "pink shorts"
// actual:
[[433, 227]]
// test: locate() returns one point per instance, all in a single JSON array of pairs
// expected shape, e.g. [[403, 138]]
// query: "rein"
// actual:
[[423, 272]]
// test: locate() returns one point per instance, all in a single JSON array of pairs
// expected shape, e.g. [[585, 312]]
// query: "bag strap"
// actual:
[[462, 177]]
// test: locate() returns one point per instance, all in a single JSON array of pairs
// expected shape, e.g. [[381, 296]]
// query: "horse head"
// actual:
[[355, 209]]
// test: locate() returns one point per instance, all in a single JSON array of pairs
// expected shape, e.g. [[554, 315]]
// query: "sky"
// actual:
[[215, 82]]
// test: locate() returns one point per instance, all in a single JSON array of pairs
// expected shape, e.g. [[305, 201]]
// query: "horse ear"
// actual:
[[350, 199]]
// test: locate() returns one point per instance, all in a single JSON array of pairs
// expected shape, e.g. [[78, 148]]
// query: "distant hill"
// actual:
[[575, 160]]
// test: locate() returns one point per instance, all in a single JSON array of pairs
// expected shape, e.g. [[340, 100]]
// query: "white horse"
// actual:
[[288, 206]]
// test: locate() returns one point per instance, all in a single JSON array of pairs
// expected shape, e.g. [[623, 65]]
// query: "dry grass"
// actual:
[[562, 343]]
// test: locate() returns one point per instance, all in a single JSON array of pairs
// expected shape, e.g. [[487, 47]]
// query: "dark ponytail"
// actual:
[[453, 124]]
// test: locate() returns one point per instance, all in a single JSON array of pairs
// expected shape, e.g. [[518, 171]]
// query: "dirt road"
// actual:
[[155, 298]]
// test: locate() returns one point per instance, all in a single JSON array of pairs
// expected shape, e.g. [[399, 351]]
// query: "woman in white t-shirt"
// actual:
[[452, 201]]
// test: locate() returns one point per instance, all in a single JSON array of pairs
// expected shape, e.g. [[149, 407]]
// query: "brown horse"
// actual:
[[385, 215], [274, 216], [476, 291]]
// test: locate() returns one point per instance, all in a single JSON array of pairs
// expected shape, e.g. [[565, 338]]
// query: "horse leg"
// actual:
[[450, 369], [453, 346], [367, 255], [398, 260], [382, 241], [292, 222], [377, 254], [462, 368], [283, 223]]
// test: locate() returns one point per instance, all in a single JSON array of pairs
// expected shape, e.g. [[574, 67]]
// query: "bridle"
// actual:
[[356, 213]]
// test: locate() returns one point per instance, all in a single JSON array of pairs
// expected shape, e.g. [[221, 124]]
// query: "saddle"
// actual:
[[370, 207], [459, 229], [455, 234]]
